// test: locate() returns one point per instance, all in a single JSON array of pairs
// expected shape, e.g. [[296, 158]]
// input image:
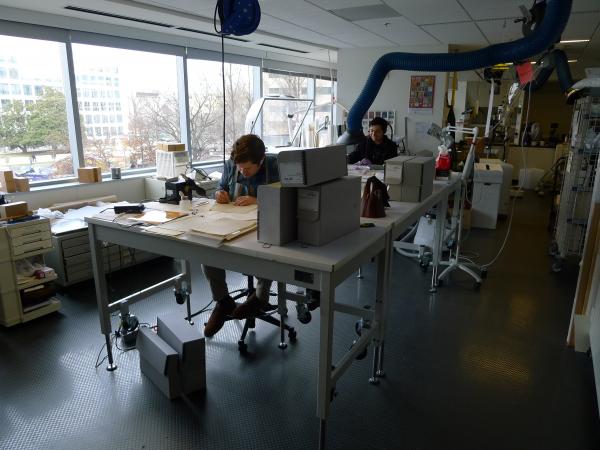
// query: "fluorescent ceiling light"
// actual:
[[574, 41], [572, 60]]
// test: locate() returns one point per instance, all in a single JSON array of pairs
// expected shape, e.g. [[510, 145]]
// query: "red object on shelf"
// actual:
[[443, 164]]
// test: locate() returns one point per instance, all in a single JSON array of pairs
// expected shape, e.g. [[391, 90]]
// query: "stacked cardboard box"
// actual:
[[409, 178], [171, 146], [7, 181], [89, 174]]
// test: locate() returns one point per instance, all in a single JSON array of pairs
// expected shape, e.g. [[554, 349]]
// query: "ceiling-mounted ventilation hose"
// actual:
[[543, 36]]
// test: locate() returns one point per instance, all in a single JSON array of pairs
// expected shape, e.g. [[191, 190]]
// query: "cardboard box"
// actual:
[[410, 178], [89, 174], [328, 211], [171, 146], [277, 206], [7, 181], [22, 184], [312, 166], [159, 362], [189, 344], [14, 209]]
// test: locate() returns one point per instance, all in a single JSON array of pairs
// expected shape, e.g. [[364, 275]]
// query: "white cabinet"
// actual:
[[20, 302]]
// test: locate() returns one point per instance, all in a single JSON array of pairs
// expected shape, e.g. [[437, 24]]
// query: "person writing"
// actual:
[[376, 148], [247, 168]]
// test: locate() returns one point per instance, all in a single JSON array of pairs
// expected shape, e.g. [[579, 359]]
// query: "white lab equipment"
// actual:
[[487, 184], [507, 170]]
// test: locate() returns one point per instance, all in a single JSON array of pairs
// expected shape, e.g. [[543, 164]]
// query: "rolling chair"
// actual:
[[266, 316]]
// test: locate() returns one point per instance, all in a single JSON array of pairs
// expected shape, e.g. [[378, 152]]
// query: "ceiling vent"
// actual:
[[206, 33], [366, 12], [283, 48], [117, 16]]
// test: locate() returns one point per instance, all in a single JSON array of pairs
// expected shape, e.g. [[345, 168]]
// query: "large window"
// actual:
[[34, 139], [282, 119], [206, 106], [323, 112], [143, 107]]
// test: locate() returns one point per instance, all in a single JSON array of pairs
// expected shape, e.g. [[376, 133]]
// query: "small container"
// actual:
[[115, 173], [185, 204]]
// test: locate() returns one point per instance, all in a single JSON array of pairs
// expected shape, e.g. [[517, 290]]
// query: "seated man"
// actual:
[[377, 147], [246, 169]]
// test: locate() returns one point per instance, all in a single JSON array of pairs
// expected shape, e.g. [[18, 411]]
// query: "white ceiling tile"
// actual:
[[362, 38], [493, 9], [461, 33], [286, 29], [336, 4], [498, 31], [398, 30], [429, 11], [585, 5], [581, 25]]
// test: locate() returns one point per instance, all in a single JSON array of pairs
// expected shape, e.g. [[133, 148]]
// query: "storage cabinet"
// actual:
[[21, 302], [71, 256]]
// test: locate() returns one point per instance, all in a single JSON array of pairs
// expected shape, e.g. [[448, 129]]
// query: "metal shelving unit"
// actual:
[[578, 182]]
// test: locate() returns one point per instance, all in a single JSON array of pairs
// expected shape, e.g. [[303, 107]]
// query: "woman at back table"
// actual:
[[377, 147]]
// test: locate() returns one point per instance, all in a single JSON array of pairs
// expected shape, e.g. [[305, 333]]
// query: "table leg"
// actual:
[[382, 301], [380, 372], [187, 287], [322, 429], [438, 241], [324, 385], [281, 309], [374, 380], [101, 293]]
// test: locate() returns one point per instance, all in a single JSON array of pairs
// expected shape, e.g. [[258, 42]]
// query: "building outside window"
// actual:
[[146, 96], [34, 138], [206, 106]]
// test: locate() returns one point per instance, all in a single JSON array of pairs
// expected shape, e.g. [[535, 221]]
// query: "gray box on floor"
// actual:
[[159, 362], [189, 344], [277, 205], [328, 211], [312, 166]]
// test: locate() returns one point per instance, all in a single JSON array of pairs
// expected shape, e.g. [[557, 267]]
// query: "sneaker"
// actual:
[[252, 307], [222, 309]]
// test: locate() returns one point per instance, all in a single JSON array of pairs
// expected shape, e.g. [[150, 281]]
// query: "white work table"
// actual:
[[317, 268]]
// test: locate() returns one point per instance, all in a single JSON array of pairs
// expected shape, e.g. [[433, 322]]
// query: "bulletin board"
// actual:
[[422, 90]]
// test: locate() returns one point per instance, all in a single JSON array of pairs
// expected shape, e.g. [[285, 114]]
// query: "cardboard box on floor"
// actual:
[[89, 174]]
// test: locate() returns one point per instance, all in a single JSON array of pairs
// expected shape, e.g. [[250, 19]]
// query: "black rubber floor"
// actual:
[[465, 369]]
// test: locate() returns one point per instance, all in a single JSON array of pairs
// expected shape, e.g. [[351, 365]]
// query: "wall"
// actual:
[[128, 189], [354, 66], [548, 105]]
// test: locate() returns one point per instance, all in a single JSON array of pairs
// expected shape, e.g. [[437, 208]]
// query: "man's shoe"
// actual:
[[252, 307], [222, 309]]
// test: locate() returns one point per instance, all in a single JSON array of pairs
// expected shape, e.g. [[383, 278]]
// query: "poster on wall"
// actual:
[[422, 89]]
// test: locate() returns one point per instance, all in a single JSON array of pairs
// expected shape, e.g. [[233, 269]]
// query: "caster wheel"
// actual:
[[242, 347], [552, 249], [556, 267], [292, 335], [484, 273], [423, 267], [305, 317], [477, 286], [179, 297]]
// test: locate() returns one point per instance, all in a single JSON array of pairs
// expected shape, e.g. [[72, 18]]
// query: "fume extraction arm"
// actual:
[[540, 39]]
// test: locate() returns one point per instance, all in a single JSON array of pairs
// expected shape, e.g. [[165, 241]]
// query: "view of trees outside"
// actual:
[[323, 111], [34, 140], [282, 118], [127, 103], [205, 87]]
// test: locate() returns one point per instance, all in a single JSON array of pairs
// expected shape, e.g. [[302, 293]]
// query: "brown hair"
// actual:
[[248, 148]]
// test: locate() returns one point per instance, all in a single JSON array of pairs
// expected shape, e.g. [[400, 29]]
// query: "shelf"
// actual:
[[45, 308], [36, 281], [32, 253]]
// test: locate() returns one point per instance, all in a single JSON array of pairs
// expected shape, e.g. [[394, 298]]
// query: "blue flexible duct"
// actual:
[[556, 59], [544, 35]]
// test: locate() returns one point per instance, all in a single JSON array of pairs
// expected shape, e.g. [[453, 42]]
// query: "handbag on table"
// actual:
[[374, 199]]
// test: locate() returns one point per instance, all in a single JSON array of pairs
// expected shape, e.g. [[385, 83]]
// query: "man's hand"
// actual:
[[222, 197], [245, 200]]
